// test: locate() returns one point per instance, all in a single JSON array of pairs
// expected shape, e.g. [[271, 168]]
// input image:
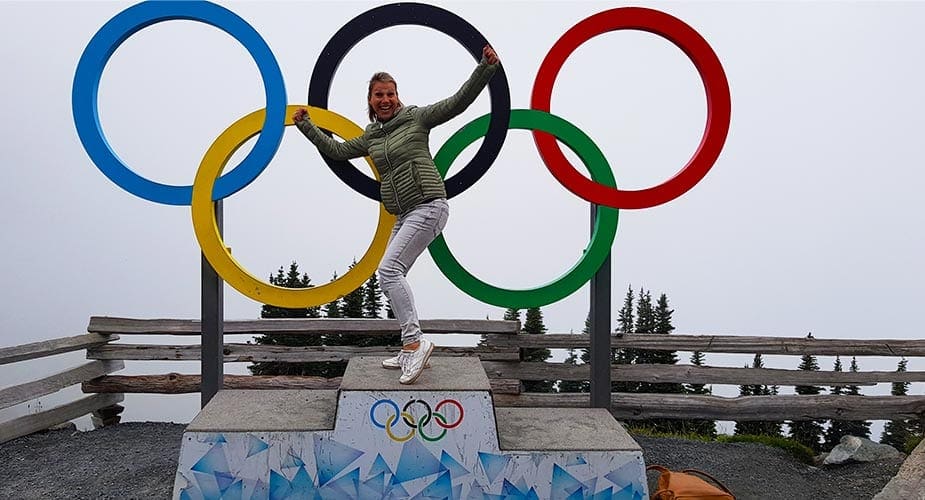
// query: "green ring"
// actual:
[[605, 227], [424, 420]]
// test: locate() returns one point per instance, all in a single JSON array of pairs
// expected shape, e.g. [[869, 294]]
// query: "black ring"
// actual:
[[445, 22], [405, 410]]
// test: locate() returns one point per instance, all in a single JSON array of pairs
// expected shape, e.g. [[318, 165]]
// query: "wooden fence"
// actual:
[[498, 345], [104, 406]]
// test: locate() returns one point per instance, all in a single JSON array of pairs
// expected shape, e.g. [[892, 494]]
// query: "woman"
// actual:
[[411, 188]]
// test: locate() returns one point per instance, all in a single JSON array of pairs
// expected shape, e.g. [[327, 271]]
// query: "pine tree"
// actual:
[[897, 433], [512, 314], [352, 305], [574, 355], [808, 432], [289, 279], [659, 324], [533, 325], [758, 427], [837, 428], [333, 309], [858, 428], [372, 298], [701, 427], [625, 324]]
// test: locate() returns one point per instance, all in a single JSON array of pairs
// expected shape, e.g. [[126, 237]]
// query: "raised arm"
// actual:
[[353, 148], [442, 111]]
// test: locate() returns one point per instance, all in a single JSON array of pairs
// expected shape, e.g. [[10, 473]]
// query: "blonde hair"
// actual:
[[379, 77]]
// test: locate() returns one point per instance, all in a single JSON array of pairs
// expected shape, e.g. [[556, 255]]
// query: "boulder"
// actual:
[[856, 449]]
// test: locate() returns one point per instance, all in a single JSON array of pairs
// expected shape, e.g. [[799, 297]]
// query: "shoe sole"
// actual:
[[426, 360], [426, 366]]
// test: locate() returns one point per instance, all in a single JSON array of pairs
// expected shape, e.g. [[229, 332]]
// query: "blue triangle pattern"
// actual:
[[346, 486], [291, 460], [457, 491], [207, 485], [261, 490], [234, 492], [440, 488], [492, 464], [531, 495], [373, 487], [379, 466], [579, 494], [606, 494], [303, 486], [590, 485], [331, 458], [213, 461], [511, 492], [522, 484], [625, 493], [279, 486], [451, 464], [563, 483], [255, 445], [397, 491], [575, 460], [185, 494], [224, 480], [415, 461], [624, 474]]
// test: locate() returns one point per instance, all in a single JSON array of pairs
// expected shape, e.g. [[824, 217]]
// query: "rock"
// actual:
[[855, 449]]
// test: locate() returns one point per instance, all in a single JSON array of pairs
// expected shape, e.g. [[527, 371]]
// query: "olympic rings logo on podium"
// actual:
[[415, 426], [210, 184]]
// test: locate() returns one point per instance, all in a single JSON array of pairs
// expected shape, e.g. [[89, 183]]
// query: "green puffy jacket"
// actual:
[[399, 147]]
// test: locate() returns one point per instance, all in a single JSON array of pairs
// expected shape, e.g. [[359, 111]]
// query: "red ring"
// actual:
[[719, 107], [457, 405]]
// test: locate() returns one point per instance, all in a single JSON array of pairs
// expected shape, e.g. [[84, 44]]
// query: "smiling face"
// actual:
[[383, 100]]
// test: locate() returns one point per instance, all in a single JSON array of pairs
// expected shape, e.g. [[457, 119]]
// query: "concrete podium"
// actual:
[[377, 439]]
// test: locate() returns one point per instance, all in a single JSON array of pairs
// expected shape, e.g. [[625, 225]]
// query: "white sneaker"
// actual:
[[394, 363], [412, 363]]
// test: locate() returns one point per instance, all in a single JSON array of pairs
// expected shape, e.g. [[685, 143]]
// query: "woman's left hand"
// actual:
[[489, 54]]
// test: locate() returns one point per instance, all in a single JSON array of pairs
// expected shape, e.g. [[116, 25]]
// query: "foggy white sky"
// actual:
[[807, 222]]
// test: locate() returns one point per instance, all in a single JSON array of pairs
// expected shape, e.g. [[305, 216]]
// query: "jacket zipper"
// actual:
[[389, 163]]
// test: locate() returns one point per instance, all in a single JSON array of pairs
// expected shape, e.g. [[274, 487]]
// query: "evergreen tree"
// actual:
[[858, 428], [702, 427], [627, 356], [808, 432], [512, 314], [574, 355], [333, 309], [837, 428], [352, 304], [897, 433], [758, 427], [372, 298], [289, 279], [533, 325], [658, 321], [389, 313]]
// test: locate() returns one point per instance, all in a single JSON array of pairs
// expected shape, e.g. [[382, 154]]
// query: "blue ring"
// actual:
[[372, 411], [135, 18]]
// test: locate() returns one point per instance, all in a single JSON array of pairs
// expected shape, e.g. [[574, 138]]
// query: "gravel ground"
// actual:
[[138, 460]]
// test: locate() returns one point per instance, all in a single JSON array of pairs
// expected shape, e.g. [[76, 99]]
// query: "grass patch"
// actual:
[[800, 451]]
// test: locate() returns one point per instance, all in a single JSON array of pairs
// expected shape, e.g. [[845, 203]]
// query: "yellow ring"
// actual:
[[213, 246], [393, 437]]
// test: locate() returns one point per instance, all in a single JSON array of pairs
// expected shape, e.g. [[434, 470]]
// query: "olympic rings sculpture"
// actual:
[[211, 184], [415, 426]]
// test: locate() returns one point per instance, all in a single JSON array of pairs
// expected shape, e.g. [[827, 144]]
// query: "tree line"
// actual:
[[638, 315]]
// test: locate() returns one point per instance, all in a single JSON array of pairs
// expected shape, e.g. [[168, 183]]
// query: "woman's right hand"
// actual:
[[299, 115]]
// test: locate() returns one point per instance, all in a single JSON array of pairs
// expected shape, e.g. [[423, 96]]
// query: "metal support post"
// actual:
[[600, 330], [213, 322]]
